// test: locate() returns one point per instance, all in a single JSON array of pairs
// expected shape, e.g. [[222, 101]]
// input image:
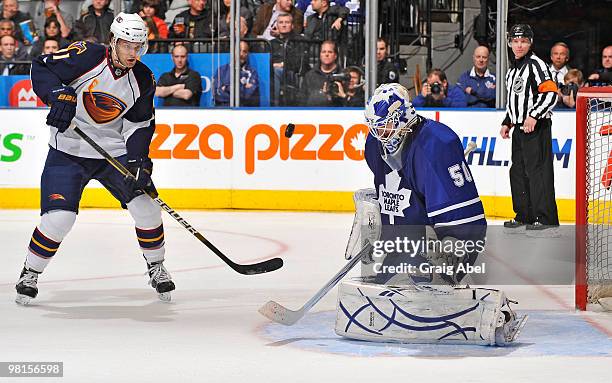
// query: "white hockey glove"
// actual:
[[366, 224]]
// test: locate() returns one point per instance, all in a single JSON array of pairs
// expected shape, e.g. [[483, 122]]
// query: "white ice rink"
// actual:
[[97, 315]]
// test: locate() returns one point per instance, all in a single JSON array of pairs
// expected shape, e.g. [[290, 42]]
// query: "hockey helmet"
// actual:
[[130, 27], [520, 30], [390, 114]]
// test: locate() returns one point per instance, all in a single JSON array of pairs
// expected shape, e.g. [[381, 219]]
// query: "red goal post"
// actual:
[[593, 195]]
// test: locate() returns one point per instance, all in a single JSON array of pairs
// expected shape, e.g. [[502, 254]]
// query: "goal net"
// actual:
[[593, 195]]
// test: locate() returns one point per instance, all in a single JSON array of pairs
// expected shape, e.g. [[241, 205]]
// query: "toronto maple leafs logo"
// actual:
[[393, 200]]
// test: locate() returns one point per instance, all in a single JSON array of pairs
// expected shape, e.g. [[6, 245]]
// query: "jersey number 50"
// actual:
[[460, 174]]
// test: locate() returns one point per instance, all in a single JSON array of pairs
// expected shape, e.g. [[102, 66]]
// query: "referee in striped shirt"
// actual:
[[531, 96]]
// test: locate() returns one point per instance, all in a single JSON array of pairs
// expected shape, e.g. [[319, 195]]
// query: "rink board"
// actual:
[[241, 159], [539, 337]]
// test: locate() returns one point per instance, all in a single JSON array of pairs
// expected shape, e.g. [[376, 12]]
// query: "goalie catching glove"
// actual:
[[63, 103], [141, 170]]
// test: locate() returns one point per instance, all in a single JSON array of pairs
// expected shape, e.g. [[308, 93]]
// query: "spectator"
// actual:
[[50, 10], [568, 91], [304, 4], [7, 50], [265, 21], [51, 31], [287, 59], [437, 93], [162, 8], [192, 23], [355, 94], [10, 11], [157, 27], [96, 22], [181, 86], [386, 71], [478, 83], [51, 45], [319, 88], [559, 56], [603, 76], [249, 81], [246, 20], [326, 22], [7, 27]]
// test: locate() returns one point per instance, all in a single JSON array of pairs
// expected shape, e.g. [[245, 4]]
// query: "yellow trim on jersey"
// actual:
[[494, 206]]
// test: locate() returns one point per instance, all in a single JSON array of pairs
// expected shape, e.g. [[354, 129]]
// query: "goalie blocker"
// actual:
[[425, 314]]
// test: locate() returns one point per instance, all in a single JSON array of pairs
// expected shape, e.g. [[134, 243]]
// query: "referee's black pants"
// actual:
[[532, 179]]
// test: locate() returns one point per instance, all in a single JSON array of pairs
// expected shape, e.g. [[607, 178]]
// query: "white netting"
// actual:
[[599, 194]]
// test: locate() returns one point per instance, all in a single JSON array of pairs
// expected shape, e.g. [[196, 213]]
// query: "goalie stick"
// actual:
[[247, 269], [280, 314]]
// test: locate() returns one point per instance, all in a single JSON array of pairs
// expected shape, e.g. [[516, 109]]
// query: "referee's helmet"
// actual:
[[520, 30]]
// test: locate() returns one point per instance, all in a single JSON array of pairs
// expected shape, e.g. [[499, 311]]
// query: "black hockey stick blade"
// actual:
[[259, 268], [246, 269]]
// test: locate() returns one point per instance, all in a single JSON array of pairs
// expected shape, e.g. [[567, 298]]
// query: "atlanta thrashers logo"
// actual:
[[102, 107], [55, 197]]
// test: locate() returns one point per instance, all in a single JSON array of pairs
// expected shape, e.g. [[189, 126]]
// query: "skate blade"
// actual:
[[22, 300], [165, 297]]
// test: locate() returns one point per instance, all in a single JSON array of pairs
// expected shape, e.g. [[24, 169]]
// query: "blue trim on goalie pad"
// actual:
[[547, 333]]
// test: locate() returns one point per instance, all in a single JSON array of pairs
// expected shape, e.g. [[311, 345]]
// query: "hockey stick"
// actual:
[[471, 146], [256, 268], [280, 314]]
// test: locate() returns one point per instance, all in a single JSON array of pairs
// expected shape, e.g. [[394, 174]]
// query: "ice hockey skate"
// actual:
[[161, 280], [26, 286]]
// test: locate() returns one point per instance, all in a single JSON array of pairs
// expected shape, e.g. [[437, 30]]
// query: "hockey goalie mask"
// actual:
[[130, 28], [390, 114]]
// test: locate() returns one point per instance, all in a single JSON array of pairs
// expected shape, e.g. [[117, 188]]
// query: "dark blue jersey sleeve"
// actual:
[[444, 179], [139, 121], [64, 66]]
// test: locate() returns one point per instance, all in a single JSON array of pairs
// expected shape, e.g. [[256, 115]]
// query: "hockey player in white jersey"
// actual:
[[108, 94], [421, 181]]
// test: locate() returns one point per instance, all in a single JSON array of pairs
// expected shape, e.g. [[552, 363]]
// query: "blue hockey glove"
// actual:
[[141, 169], [63, 102]]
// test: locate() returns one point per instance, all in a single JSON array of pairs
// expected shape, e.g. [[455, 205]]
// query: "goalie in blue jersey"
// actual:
[[426, 225], [421, 180]]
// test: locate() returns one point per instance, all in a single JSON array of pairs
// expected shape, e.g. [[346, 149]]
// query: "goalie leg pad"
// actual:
[[366, 224], [423, 314]]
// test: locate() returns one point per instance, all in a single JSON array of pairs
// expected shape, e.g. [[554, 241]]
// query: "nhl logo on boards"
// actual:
[[518, 86]]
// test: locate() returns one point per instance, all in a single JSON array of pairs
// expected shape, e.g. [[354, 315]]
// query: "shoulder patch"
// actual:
[[78, 47]]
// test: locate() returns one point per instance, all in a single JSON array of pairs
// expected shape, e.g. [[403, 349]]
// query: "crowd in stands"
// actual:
[[309, 42]]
